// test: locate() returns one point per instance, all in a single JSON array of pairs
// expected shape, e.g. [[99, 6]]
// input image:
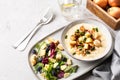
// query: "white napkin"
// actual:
[[110, 70]]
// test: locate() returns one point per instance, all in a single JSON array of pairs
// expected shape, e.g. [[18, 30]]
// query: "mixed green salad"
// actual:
[[47, 59]]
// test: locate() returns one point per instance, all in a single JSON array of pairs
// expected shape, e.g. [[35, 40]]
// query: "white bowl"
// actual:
[[100, 26]]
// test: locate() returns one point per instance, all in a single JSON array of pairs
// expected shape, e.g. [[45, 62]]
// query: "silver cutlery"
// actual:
[[23, 42]]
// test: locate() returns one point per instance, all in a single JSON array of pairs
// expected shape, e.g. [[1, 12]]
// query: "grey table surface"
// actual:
[[16, 18]]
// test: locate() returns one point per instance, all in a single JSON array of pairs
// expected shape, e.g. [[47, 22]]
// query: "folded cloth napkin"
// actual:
[[110, 69]]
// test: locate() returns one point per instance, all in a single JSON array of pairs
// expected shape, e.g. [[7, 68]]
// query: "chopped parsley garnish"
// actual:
[[87, 52], [80, 47], [93, 48], [77, 31], [84, 39], [66, 36], [74, 53], [95, 29], [82, 33]]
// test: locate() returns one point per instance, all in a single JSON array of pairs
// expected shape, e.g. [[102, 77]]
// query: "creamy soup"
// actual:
[[85, 41]]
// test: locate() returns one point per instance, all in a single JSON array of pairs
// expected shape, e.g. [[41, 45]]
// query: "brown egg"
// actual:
[[114, 12], [101, 3], [114, 3]]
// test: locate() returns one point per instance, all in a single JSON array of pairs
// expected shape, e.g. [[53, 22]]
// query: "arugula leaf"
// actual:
[[68, 68], [71, 69], [37, 66], [74, 68], [62, 63], [49, 76], [48, 73], [39, 45]]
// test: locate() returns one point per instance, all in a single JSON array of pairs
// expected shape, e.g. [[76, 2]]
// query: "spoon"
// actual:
[[23, 42]]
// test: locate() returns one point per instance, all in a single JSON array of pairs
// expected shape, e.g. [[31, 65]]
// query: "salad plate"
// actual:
[[83, 66]]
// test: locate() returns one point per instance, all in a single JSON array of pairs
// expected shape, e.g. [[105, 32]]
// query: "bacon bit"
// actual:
[[72, 43], [83, 54], [82, 28], [73, 37]]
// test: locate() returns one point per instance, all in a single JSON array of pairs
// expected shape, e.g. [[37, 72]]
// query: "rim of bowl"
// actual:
[[70, 25]]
